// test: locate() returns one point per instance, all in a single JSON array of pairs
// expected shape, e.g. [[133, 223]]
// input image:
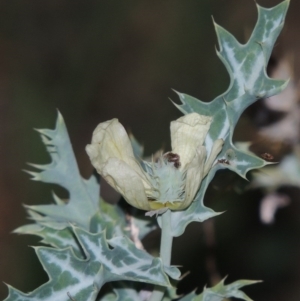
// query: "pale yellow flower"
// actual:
[[173, 181]]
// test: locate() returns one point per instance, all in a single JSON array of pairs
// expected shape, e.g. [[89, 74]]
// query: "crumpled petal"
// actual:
[[110, 140], [194, 177], [126, 181], [187, 135]]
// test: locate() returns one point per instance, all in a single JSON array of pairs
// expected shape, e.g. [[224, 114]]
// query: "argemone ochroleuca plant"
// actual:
[[92, 243], [171, 182]]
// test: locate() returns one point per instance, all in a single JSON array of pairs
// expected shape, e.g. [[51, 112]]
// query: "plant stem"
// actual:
[[165, 252]]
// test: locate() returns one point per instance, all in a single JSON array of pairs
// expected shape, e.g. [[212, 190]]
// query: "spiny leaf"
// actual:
[[59, 239], [63, 170], [111, 219], [246, 65], [105, 260], [221, 292]]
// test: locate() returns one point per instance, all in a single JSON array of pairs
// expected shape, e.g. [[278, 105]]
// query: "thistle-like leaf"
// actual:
[[104, 261], [221, 292], [110, 218], [246, 65], [60, 239], [63, 171]]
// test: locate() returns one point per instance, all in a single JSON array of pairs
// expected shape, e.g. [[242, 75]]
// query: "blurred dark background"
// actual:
[[96, 60]]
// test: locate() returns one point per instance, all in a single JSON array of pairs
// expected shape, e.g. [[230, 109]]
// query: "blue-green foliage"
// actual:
[[90, 246]]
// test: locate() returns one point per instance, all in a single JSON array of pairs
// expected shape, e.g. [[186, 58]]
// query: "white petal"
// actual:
[[119, 145], [194, 177], [126, 181], [187, 134], [110, 140]]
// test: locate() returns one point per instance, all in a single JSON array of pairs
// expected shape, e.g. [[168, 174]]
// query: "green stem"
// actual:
[[165, 252]]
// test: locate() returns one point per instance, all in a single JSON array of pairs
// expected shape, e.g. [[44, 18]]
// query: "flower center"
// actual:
[[167, 179], [171, 157]]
